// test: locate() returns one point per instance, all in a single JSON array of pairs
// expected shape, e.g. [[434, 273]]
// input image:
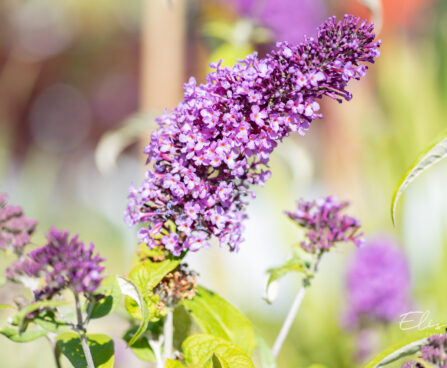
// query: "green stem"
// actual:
[[168, 332], [156, 347], [81, 331], [295, 307]]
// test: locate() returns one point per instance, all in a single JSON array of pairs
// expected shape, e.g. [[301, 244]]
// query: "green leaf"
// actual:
[[433, 154], [199, 349], [14, 334], [294, 264], [18, 319], [141, 347], [101, 347], [50, 323], [2, 281], [152, 302], [5, 306], [267, 358], [129, 289], [112, 296], [140, 301], [173, 364], [133, 308], [407, 346], [144, 252], [148, 274], [215, 316], [182, 325], [218, 362]]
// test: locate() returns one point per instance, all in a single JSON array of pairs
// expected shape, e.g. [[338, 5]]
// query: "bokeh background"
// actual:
[[80, 85]]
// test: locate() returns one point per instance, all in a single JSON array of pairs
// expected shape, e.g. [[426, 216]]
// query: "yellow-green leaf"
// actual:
[[215, 316], [294, 264], [129, 289], [433, 154], [148, 274], [199, 349], [15, 335], [18, 319], [173, 364]]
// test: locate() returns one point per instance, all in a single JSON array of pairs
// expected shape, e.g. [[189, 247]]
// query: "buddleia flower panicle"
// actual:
[[434, 353], [217, 142], [325, 225], [15, 227], [378, 284], [63, 263]]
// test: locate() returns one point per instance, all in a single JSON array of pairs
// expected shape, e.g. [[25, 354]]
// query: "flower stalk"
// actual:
[[295, 307], [288, 321], [81, 331], [156, 347], [168, 332]]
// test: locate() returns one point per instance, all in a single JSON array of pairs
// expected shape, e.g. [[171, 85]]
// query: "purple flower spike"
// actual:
[[325, 225], [216, 143], [62, 263], [378, 282], [15, 228]]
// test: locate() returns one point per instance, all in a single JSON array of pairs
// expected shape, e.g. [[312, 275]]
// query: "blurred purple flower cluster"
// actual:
[[434, 353], [217, 142], [378, 283], [15, 228], [325, 225], [63, 263], [289, 20]]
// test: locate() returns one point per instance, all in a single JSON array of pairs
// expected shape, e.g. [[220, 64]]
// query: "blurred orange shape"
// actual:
[[396, 13]]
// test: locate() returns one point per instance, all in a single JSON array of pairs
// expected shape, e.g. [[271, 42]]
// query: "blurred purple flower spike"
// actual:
[[378, 283], [15, 228], [289, 20]]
